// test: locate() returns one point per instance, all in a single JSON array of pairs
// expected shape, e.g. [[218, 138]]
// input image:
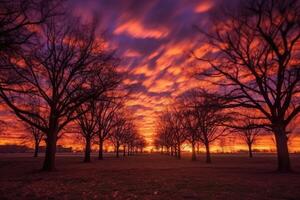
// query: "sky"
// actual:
[[154, 40]]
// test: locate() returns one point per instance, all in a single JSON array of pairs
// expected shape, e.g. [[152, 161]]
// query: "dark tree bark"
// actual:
[[117, 149], [100, 155], [283, 157], [208, 157], [179, 151], [36, 149], [124, 150], [49, 162], [250, 150], [193, 152], [87, 154]]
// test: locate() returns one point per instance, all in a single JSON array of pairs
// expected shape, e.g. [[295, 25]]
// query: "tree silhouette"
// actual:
[[255, 63], [248, 130], [106, 113], [118, 133], [18, 19], [87, 121], [67, 69], [208, 111]]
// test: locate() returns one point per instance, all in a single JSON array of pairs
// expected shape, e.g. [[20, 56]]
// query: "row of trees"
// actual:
[[103, 121], [56, 72], [199, 119], [106, 121], [254, 64]]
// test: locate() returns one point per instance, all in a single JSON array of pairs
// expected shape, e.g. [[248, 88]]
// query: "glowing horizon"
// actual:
[[153, 40]]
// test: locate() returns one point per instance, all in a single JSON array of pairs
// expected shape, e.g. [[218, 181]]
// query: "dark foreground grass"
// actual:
[[149, 177]]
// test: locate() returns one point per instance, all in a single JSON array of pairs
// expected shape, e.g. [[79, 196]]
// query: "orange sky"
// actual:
[[154, 40]]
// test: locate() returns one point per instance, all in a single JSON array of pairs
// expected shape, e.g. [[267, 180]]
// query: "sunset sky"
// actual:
[[154, 40]]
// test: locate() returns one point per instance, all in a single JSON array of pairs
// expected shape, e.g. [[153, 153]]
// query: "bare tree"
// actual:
[[190, 124], [36, 135], [189, 121], [87, 121], [129, 138], [210, 118], [256, 63], [118, 132], [175, 120], [249, 133], [107, 111], [170, 131], [140, 142], [18, 18], [63, 72], [31, 132]]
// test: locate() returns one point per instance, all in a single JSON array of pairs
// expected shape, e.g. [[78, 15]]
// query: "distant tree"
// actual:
[[87, 121], [106, 112], [130, 137], [35, 135], [256, 63], [248, 131], [67, 69], [190, 122], [158, 144], [31, 133], [222, 144], [140, 143], [170, 131], [179, 135], [118, 132], [208, 111]]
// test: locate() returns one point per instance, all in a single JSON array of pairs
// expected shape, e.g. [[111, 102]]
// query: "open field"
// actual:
[[150, 176]]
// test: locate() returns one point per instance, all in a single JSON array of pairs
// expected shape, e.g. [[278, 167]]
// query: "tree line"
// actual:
[[56, 72], [253, 65]]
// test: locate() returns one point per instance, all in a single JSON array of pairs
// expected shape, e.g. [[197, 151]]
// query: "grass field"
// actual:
[[149, 176]]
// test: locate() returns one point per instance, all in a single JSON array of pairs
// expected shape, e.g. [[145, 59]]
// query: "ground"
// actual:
[[148, 176]]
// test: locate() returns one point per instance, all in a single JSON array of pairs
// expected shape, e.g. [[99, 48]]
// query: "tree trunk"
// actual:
[[175, 150], [128, 150], [36, 149], [250, 150], [117, 150], [100, 156], [179, 152], [208, 158], [124, 150], [49, 162], [283, 157], [87, 154], [198, 148], [193, 152]]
